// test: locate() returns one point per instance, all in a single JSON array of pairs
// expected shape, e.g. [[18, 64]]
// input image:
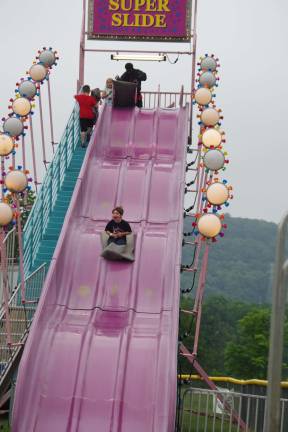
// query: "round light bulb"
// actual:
[[38, 72], [47, 57], [210, 117], [203, 96], [214, 160], [207, 79], [6, 145], [16, 181], [13, 126], [6, 214], [208, 63], [27, 89], [21, 106], [211, 138], [209, 225], [217, 193]]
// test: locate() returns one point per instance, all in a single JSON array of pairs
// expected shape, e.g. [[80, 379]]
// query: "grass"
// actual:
[[4, 426]]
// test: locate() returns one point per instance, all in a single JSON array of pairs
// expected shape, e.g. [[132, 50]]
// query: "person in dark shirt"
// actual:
[[134, 75], [117, 229]]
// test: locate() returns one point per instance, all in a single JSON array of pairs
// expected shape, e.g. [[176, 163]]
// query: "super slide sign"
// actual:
[[162, 20]]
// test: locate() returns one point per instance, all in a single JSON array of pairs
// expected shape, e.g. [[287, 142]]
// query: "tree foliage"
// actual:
[[247, 354], [234, 338], [240, 265]]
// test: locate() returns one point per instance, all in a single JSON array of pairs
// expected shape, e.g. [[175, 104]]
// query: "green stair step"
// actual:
[[46, 249], [56, 220], [48, 243]]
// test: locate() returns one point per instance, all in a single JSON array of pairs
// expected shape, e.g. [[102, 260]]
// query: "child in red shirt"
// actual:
[[87, 114]]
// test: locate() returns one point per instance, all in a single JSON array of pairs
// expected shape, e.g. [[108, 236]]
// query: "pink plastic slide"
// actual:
[[101, 355]]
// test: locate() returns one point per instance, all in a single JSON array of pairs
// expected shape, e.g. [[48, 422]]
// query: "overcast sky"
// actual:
[[249, 37]]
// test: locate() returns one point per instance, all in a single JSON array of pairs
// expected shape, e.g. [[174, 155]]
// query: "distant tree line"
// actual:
[[234, 338], [240, 265]]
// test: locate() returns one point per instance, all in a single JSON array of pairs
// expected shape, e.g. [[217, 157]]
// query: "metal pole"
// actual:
[[51, 117], [2, 179], [82, 50], [273, 419], [200, 293], [33, 153], [23, 153], [193, 76], [42, 130], [20, 244], [117, 51], [191, 358]]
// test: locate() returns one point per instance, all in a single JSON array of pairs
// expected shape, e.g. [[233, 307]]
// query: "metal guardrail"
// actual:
[[153, 99], [20, 318], [205, 410], [47, 196], [11, 262]]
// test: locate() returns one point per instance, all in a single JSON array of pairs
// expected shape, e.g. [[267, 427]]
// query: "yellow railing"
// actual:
[[284, 384]]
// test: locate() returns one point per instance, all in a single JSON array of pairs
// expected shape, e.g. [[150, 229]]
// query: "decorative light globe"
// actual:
[[217, 193], [16, 181], [27, 89], [207, 79], [38, 72], [6, 214], [6, 145], [21, 106], [214, 160], [210, 117], [47, 57], [209, 225], [208, 64], [13, 126], [203, 96], [211, 138]]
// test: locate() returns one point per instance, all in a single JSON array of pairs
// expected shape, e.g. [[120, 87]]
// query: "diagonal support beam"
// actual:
[[192, 359]]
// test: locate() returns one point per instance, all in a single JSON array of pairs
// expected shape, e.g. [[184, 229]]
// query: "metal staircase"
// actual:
[[54, 224], [41, 233]]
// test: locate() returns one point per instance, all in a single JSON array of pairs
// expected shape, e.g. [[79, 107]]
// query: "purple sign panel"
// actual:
[[165, 20]]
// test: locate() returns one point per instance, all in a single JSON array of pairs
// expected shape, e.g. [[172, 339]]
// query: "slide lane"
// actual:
[[102, 350]]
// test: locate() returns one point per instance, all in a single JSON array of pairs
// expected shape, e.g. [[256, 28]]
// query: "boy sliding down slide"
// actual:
[[87, 114]]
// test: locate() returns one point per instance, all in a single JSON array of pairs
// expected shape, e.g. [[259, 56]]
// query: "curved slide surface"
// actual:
[[102, 350]]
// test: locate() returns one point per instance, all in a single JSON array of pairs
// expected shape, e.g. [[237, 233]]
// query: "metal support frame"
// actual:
[[191, 52], [42, 130], [192, 359], [51, 117], [20, 244], [80, 81], [33, 153], [5, 294], [279, 293]]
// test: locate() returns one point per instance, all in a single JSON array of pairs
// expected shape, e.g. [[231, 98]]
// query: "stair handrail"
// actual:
[[46, 198], [9, 245], [33, 280]]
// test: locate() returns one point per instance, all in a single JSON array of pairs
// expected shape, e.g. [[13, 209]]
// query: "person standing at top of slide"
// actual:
[[136, 76], [87, 115], [108, 92]]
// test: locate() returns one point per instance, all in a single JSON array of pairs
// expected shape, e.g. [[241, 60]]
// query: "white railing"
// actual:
[[205, 410], [153, 99], [10, 245]]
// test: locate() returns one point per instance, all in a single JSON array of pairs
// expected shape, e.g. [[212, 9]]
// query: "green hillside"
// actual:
[[240, 264]]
